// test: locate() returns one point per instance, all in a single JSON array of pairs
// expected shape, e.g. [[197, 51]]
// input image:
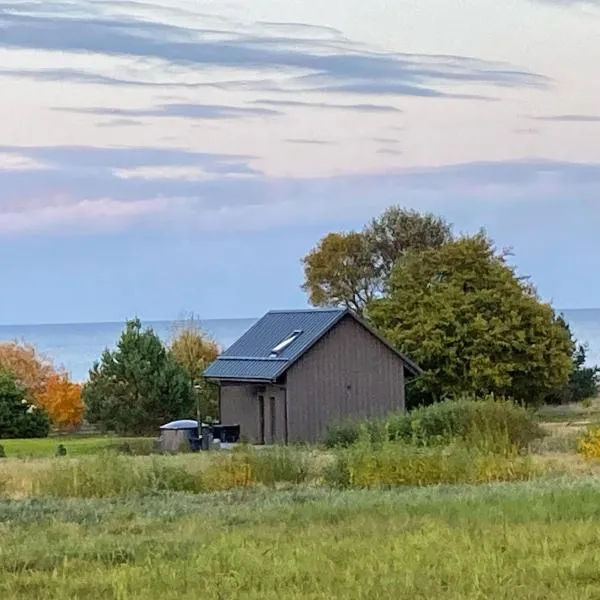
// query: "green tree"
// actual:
[[18, 417], [194, 350], [340, 272], [398, 230], [351, 269], [472, 324], [138, 386], [584, 380]]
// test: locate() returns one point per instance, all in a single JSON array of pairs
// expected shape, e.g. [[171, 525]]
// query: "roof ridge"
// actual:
[[307, 310]]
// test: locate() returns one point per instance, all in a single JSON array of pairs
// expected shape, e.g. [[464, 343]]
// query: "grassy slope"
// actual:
[[46, 447], [530, 540]]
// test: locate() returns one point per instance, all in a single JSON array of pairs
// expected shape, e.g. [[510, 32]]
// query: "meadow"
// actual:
[[432, 517], [535, 540], [74, 445]]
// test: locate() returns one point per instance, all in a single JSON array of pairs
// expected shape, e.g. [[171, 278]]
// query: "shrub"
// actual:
[[588, 443], [2, 451], [18, 417], [491, 424], [394, 464]]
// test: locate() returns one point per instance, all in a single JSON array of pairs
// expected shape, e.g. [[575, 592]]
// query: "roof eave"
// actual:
[[219, 380]]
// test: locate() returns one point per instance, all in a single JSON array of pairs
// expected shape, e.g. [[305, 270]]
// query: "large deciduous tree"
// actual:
[[472, 324], [138, 386], [351, 269], [194, 350]]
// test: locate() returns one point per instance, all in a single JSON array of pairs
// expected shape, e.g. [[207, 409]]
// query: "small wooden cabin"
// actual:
[[295, 372]]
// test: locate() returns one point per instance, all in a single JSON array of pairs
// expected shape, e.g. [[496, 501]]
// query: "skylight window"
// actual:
[[283, 345]]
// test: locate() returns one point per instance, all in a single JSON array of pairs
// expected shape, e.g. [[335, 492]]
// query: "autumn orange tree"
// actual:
[[62, 401], [46, 386]]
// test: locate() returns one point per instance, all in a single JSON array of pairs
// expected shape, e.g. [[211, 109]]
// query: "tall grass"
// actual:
[[526, 540], [397, 464], [109, 475]]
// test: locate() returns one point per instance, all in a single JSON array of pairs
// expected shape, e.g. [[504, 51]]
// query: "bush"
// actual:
[[2, 451], [18, 417], [588, 443], [394, 464], [489, 423]]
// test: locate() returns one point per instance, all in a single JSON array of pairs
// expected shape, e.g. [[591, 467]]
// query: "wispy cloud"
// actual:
[[98, 189], [313, 63], [375, 108], [120, 123], [569, 3], [179, 110], [570, 118], [308, 141]]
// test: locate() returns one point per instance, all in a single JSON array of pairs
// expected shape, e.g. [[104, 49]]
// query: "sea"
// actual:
[[75, 346]]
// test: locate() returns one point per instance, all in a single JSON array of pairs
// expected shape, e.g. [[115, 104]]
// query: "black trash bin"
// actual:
[[228, 434]]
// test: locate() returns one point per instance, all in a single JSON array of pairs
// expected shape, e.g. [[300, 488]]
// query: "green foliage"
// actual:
[[2, 451], [18, 417], [137, 387], [340, 272], [398, 230], [475, 327], [195, 350], [487, 424], [351, 269], [583, 380]]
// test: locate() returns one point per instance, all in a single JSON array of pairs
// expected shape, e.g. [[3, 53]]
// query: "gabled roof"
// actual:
[[252, 357]]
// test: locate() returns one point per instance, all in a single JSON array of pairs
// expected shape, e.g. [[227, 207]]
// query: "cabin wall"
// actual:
[[349, 373], [239, 406]]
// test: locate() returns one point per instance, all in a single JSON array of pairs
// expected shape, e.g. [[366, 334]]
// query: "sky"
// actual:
[[182, 156]]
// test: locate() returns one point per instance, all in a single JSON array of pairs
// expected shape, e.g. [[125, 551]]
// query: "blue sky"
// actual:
[[158, 158]]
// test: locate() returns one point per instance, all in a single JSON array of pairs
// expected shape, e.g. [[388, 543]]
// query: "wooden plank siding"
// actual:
[[349, 373], [239, 406]]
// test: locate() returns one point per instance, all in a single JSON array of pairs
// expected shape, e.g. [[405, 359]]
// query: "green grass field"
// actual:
[[101, 525], [535, 540], [46, 447]]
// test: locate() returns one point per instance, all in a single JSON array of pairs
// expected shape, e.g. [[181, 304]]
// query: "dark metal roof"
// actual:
[[250, 357]]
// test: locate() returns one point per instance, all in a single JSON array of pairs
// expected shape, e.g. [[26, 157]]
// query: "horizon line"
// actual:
[[201, 320]]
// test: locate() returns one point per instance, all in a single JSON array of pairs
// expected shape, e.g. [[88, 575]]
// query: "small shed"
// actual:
[[296, 371], [174, 435]]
